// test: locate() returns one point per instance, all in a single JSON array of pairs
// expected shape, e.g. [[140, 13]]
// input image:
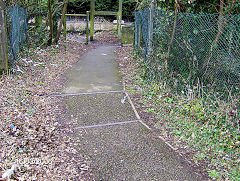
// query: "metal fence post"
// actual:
[[150, 27], [135, 31], [139, 36]]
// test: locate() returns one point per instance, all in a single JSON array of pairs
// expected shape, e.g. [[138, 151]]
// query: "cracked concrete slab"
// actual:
[[86, 110], [131, 152]]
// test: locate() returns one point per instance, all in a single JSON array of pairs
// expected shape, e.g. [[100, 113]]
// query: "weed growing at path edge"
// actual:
[[208, 124]]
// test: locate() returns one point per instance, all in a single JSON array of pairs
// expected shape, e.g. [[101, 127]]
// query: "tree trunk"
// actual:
[[3, 39], [172, 38], [61, 22], [50, 23], [220, 28]]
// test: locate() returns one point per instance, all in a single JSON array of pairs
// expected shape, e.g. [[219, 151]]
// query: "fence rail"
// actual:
[[196, 47]]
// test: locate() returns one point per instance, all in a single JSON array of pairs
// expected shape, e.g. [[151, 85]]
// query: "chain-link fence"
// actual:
[[26, 28], [193, 48], [16, 30]]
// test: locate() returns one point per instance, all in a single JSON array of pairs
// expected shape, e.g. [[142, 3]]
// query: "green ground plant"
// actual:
[[208, 124]]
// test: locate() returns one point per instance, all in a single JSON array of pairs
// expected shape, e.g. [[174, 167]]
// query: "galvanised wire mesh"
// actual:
[[199, 48], [16, 30]]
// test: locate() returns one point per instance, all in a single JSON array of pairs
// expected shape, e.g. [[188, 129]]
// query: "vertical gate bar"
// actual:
[[150, 27]]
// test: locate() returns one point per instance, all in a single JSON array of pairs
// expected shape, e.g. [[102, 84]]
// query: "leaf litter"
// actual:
[[33, 147]]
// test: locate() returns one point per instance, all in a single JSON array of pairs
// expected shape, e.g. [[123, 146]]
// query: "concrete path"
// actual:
[[107, 129], [96, 71]]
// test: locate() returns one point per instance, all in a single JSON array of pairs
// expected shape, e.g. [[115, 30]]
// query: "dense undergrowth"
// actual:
[[208, 125]]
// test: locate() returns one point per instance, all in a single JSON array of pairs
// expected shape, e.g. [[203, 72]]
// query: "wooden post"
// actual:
[[65, 28], [119, 20], [64, 11], [87, 28], [92, 13], [3, 39]]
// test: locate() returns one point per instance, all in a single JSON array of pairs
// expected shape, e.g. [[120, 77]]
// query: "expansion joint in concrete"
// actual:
[[108, 124], [86, 93]]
